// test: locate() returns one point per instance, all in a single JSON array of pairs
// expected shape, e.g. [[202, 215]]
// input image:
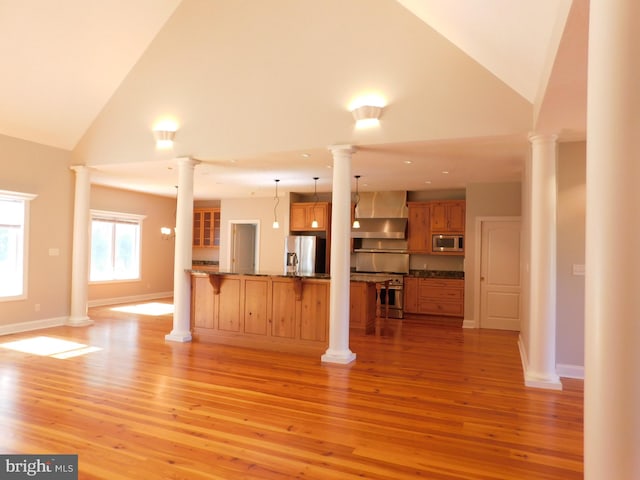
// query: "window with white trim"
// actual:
[[115, 246], [14, 238]]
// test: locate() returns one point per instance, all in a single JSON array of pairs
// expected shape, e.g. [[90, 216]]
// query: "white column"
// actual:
[[612, 289], [80, 255], [338, 351], [541, 369], [183, 256]]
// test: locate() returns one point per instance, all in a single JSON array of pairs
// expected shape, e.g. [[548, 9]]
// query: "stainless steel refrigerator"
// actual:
[[304, 254]]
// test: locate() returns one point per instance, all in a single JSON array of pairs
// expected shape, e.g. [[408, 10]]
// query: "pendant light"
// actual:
[[356, 222], [314, 223], [276, 224]]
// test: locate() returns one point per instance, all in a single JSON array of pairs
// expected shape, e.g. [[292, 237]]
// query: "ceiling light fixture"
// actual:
[[367, 116], [164, 138], [356, 222], [275, 207], [314, 223]]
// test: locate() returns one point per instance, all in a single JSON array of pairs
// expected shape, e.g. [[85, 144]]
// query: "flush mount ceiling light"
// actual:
[[367, 115], [164, 138]]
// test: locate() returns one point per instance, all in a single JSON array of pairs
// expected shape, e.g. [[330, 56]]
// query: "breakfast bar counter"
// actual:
[[261, 310]]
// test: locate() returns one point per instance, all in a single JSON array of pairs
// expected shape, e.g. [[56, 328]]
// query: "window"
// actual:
[[115, 246], [14, 215]]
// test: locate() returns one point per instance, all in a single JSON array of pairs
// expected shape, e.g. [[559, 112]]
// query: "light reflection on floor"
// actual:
[[50, 347], [154, 309]]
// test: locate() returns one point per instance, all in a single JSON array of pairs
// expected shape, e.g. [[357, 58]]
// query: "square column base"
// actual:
[[341, 357], [178, 337]]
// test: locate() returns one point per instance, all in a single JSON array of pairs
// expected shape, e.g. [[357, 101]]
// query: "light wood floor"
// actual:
[[426, 400]]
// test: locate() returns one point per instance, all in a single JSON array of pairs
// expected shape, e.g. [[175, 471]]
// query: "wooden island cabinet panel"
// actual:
[[283, 309], [227, 313], [255, 308], [314, 304], [362, 316], [261, 311]]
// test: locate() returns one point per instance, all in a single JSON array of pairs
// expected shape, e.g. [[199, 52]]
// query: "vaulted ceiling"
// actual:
[[259, 88]]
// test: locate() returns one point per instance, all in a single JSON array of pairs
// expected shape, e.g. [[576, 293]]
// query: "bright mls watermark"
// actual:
[[53, 467]]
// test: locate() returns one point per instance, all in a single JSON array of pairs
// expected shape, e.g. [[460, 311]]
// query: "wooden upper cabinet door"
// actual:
[[197, 228], [448, 216], [418, 231], [302, 214], [438, 217], [456, 216], [298, 217], [206, 227], [318, 212]]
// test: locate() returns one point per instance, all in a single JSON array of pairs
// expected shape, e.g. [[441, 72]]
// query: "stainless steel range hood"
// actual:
[[381, 215]]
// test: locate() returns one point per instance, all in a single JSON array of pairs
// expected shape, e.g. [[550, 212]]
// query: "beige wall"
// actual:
[[31, 168], [157, 253], [260, 210], [571, 211], [484, 200]]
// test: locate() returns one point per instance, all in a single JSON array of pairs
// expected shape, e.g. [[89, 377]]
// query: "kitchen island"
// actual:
[[261, 310]]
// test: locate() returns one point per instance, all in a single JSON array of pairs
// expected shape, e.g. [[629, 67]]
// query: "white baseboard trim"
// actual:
[[570, 371], [130, 299], [550, 382], [32, 325], [469, 323]]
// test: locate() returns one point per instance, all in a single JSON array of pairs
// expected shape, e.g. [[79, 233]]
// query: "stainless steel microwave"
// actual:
[[447, 243]]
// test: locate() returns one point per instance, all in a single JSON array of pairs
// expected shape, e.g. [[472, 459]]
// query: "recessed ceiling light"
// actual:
[[329, 166], [305, 155], [408, 162], [427, 181], [445, 172]]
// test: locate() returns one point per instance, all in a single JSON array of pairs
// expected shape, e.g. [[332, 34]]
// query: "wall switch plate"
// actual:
[[578, 269]]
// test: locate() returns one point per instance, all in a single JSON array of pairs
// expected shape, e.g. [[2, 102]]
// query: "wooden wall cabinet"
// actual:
[[302, 214], [206, 227], [434, 296], [269, 312], [447, 216], [419, 227]]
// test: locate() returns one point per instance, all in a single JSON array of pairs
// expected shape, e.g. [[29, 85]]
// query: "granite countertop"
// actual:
[[436, 274], [321, 276]]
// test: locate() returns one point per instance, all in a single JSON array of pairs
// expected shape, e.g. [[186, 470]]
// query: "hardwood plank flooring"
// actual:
[[424, 399]]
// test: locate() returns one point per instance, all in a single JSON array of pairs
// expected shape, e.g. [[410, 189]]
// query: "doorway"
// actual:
[[243, 247], [500, 274]]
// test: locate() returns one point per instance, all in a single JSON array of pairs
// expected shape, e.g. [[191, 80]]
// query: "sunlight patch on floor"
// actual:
[[50, 347], [154, 309]]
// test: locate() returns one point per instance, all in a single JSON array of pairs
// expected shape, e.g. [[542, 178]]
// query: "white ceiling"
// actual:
[[83, 72]]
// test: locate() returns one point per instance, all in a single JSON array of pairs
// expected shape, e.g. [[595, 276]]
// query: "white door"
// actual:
[[500, 275], [243, 258]]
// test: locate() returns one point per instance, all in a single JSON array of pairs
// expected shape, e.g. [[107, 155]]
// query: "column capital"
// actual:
[[535, 137], [344, 149], [80, 169], [188, 161]]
